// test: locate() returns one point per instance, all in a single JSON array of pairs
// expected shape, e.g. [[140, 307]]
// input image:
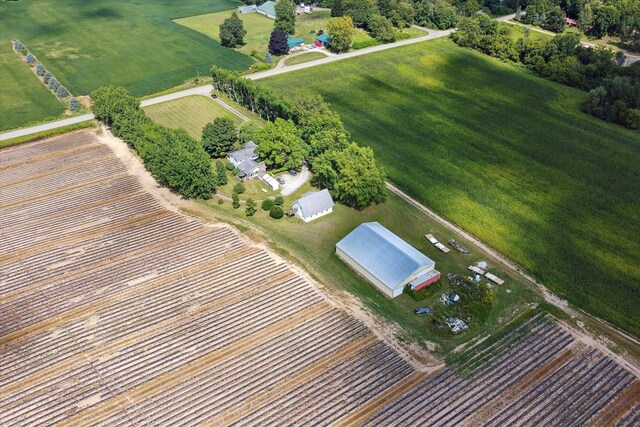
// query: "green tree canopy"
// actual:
[[281, 145], [341, 31], [285, 16], [382, 29], [361, 11], [219, 136], [110, 102], [278, 42], [249, 131], [232, 31]]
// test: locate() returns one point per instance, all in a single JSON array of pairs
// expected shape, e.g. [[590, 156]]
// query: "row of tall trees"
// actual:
[[173, 157], [614, 90], [306, 129]]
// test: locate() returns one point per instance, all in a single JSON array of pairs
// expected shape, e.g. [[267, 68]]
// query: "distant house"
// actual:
[[293, 42], [247, 9], [323, 40], [384, 259], [268, 9], [313, 204], [245, 160]]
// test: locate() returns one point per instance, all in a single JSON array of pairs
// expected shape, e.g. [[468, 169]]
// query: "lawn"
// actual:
[[304, 57], [258, 28], [24, 98], [190, 113], [313, 246], [92, 43], [506, 155]]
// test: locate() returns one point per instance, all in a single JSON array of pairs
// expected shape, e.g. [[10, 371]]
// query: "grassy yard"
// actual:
[[258, 28], [313, 246], [92, 43], [190, 113], [506, 155], [24, 98], [305, 57]]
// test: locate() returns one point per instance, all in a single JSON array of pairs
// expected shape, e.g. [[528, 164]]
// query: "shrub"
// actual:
[[276, 212], [221, 174], [250, 208], [74, 105], [235, 200], [267, 204], [47, 76], [401, 35], [279, 201], [239, 188], [18, 46], [260, 66], [53, 83], [30, 59], [220, 201], [40, 70], [229, 166], [361, 44], [267, 58], [62, 92]]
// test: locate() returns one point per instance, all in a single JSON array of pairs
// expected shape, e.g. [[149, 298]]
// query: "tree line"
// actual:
[[614, 91], [307, 130], [174, 158]]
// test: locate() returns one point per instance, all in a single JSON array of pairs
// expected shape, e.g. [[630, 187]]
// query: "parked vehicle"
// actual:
[[280, 181], [422, 310], [293, 172], [214, 96]]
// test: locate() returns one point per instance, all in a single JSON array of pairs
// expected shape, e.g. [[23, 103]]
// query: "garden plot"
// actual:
[[116, 311]]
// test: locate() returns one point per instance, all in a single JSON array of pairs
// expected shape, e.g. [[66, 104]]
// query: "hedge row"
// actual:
[[174, 158]]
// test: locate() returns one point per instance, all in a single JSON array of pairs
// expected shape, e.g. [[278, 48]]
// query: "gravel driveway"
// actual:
[[292, 183]]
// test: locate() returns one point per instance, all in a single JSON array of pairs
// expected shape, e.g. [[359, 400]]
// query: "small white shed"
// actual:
[[313, 205]]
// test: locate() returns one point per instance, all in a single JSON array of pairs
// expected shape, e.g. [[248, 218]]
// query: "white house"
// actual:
[[385, 260], [313, 204], [245, 160]]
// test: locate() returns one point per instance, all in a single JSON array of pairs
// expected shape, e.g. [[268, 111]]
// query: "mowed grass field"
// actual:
[[506, 155], [191, 113], [91, 43], [258, 28], [22, 93]]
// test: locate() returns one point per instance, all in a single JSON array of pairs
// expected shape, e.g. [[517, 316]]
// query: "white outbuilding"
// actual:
[[385, 259], [313, 205]]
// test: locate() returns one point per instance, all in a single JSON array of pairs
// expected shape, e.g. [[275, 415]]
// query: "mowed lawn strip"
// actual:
[[506, 155], [93, 43], [22, 93], [191, 113]]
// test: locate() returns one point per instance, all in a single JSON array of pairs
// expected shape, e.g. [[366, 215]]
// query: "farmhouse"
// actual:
[[245, 160], [268, 9], [313, 204], [323, 40], [386, 260]]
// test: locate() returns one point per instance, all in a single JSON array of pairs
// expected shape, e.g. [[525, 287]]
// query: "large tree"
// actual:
[[281, 145], [351, 175], [341, 31], [361, 11], [382, 29], [278, 42], [110, 102], [219, 136], [232, 31], [285, 16]]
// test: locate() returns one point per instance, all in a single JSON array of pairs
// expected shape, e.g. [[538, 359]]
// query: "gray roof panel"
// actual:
[[314, 202]]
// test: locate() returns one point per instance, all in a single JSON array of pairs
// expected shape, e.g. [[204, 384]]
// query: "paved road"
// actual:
[[206, 90]]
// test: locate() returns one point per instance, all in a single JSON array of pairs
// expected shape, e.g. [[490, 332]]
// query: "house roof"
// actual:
[[383, 254], [242, 154], [268, 7], [314, 202], [247, 166], [324, 38], [291, 42]]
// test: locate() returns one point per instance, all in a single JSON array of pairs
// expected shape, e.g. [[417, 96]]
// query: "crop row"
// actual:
[[46, 166], [339, 390], [61, 181], [110, 215], [53, 146], [65, 261], [451, 398], [631, 418], [54, 299], [162, 304], [249, 374], [61, 204]]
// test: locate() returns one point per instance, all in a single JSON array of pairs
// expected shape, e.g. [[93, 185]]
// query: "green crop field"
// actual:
[[22, 93], [91, 43], [506, 155], [190, 113]]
